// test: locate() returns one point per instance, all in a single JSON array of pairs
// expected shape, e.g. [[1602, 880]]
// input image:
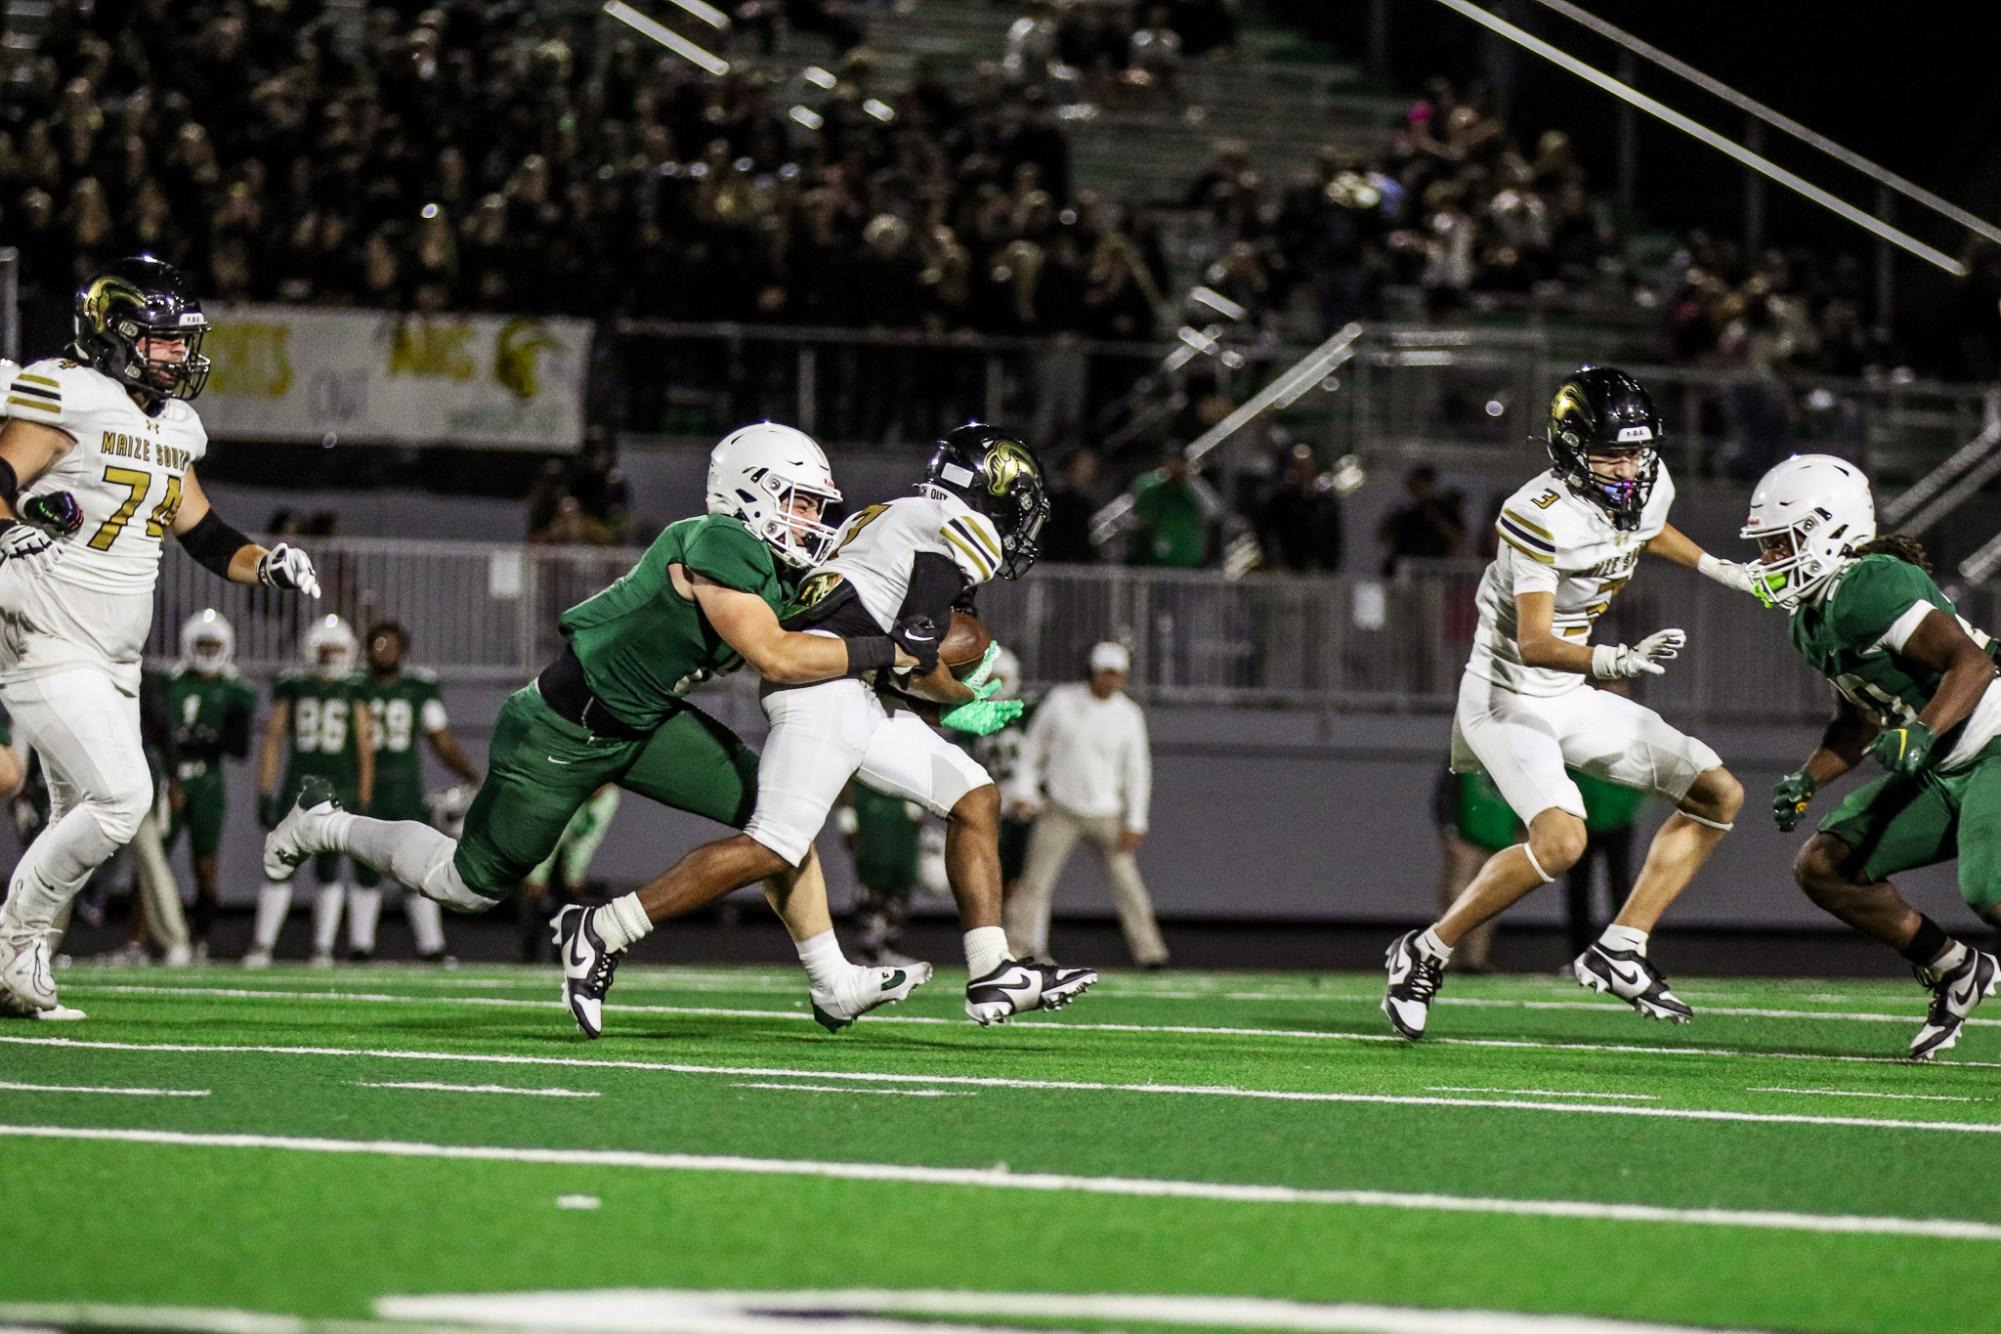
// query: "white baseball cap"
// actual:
[[1111, 657]]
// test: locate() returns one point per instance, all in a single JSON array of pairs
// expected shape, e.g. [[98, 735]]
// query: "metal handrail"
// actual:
[[1963, 462], [1688, 125], [1777, 120]]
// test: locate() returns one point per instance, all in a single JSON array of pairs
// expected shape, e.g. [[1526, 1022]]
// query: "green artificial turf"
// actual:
[[1529, 1091]]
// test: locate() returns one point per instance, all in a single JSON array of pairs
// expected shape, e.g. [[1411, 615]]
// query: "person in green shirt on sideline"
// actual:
[[1171, 524], [209, 708], [1609, 813], [703, 601], [1916, 689]]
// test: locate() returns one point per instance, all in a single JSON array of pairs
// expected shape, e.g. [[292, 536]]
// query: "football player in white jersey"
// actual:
[[1570, 540], [895, 574], [97, 465]]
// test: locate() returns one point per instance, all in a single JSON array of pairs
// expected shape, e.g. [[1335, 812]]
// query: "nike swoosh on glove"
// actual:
[[918, 636], [285, 566], [1904, 750]]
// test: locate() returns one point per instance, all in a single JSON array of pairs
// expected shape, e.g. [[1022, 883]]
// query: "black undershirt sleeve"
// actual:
[[213, 543]]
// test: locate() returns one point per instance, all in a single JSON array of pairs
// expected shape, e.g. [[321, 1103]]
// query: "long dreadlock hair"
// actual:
[[1906, 549]]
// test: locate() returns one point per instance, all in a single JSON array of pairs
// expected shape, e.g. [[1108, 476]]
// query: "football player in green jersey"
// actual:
[[701, 602], [1916, 688], [320, 729], [404, 707], [209, 707]]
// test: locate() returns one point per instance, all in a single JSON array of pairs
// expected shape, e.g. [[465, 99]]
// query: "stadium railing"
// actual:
[[486, 614]]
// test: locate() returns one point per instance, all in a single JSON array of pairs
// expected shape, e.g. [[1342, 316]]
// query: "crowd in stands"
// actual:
[[1112, 52], [467, 156]]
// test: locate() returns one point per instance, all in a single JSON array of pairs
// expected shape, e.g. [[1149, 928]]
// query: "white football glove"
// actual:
[[1611, 662], [285, 566], [1733, 576], [26, 552]]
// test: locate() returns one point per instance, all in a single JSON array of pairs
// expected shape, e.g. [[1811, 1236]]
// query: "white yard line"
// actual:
[[478, 1088], [998, 1179], [849, 1088], [1087, 1086], [1544, 1093], [1857, 1093], [11, 1086]]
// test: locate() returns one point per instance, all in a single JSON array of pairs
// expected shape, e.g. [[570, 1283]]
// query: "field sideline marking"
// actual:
[[994, 1179], [848, 1088], [1088, 1086], [722, 1012], [1858, 1093], [1547, 1093], [476, 1088], [12, 1086]]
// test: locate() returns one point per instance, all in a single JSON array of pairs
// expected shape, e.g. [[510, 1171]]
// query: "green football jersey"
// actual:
[[404, 708], [642, 645], [322, 730], [205, 710], [1843, 634]]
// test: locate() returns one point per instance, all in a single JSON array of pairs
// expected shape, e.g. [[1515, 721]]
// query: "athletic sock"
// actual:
[[621, 922], [1616, 937], [274, 900], [1927, 942], [364, 910], [986, 949], [1429, 943], [822, 958], [1952, 956], [326, 916], [427, 923]]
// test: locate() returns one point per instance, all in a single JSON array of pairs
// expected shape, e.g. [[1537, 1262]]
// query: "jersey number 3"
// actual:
[[136, 484]]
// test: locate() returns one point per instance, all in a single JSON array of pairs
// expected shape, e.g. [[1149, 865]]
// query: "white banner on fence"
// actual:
[[382, 377]]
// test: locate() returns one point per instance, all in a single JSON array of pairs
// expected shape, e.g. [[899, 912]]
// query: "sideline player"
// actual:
[[320, 728], [1570, 540], [100, 444], [896, 572], [1915, 688], [209, 708], [702, 602], [404, 706]]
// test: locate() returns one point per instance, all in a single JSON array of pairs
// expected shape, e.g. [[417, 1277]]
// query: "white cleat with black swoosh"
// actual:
[[865, 989], [1634, 979], [1021, 985], [299, 835], [587, 967], [1954, 994]]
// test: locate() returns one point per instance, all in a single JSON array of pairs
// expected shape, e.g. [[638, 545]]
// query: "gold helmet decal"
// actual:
[[1569, 404], [1007, 464], [97, 299]]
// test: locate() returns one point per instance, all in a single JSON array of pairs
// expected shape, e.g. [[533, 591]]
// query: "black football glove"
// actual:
[[1790, 799], [918, 636], [56, 514]]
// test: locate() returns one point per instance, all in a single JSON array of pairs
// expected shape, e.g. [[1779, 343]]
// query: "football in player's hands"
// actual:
[[965, 644], [55, 513]]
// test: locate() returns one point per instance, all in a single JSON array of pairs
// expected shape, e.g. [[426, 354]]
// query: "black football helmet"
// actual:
[[133, 299], [994, 472], [1604, 411]]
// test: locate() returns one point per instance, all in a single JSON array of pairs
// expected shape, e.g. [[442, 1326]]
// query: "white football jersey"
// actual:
[[96, 606], [1555, 541], [875, 547]]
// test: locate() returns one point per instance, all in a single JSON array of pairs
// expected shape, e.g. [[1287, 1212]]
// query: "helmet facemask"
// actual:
[[1810, 515], [796, 539], [1600, 415], [759, 475], [117, 314]]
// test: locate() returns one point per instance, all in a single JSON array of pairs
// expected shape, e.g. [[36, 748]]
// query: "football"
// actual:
[[965, 643]]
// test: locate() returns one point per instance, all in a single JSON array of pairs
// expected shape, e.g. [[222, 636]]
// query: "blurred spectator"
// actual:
[[1170, 520], [1299, 525], [1429, 525], [1072, 501]]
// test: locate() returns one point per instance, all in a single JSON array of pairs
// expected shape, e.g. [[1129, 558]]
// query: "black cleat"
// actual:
[[1954, 994], [1414, 978], [1634, 979], [587, 968]]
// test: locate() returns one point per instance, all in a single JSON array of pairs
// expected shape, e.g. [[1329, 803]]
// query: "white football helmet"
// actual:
[[756, 473], [208, 643], [1809, 513], [330, 648]]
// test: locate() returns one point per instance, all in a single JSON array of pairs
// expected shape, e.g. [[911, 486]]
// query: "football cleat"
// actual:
[[296, 837], [1634, 979], [1021, 985], [587, 967], [321, 959], [1414, 978], [865, 989], [258, 956], [26, 985], [1954, 994], [61, 1014]]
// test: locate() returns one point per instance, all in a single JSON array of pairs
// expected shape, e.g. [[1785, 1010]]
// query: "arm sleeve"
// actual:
[[1139, 775]]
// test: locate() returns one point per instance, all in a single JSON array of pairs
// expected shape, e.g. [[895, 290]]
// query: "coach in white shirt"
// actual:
[[1086, 748]]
